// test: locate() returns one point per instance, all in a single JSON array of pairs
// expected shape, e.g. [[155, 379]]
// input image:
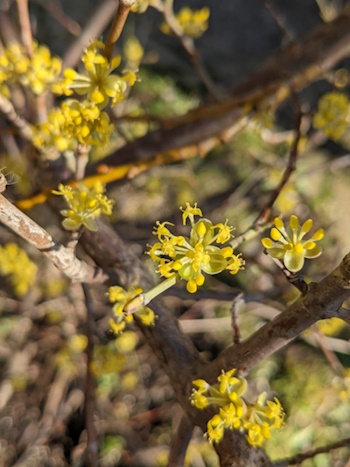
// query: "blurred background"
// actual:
[[42, 327]]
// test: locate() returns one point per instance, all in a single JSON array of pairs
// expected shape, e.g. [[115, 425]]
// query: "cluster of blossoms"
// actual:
[[84, 205], [256, 420], [192, 22], [19, 269], [120, 298], [99, 85], [332, 114], [73, 123], [39, 72], [288, 243], [188, 257]]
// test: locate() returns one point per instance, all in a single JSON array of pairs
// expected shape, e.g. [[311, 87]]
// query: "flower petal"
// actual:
[[293, 261], [276, 252], [314, 253]]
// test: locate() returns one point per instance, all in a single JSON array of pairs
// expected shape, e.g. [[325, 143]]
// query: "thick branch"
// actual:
[[323, 301]]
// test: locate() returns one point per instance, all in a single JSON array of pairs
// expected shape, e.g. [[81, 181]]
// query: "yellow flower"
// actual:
[[192, 22], [85, 204], [75, 122], [215, 429], [288, 243], [187, 257], [38, 72], [99, 85], [257, 419], [332, 114], [120, 297]]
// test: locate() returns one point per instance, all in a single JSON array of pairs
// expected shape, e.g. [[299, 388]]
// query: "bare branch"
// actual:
[[117, 26], [23, 127], [24, 21], [291, 166], [299, 458], [323, 300], [92, 447], [94, 27], [180, 442], [63, 258]]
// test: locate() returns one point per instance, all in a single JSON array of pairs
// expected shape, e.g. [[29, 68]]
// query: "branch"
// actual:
[[117, 26], [23, 127], [63, 258], [299, 458], [291, 166], [189, 47], [324, 300], [92, 447], [180, 442], [94, 27], [24, 21], [294, 67]]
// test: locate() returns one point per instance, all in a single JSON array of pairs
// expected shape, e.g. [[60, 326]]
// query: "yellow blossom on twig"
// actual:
[[192, 22], [99, 84], [288, 243], [256, 420], [85, 204], [120, 297]]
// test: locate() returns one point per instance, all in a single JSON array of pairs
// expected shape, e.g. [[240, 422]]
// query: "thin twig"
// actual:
[[55, 9], [117, 26], [328, 353], [82, 159], [90, 403], [94, 27], [280, 20], [236, 305], [299, 458], [23, 127], [262, 221], [26, 30], [188, 45], [180, 442], [291, 167]]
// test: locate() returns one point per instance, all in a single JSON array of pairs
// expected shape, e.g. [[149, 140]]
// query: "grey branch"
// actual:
[[63, 258]]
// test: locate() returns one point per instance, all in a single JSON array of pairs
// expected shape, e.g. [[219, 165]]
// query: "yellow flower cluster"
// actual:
[[187, 257], [38, 72], [120, 298], [85, 204], [192, 22], [288, 243], [74, 122], [256, 420], [15, 264], [99, 85], [332, 114]]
